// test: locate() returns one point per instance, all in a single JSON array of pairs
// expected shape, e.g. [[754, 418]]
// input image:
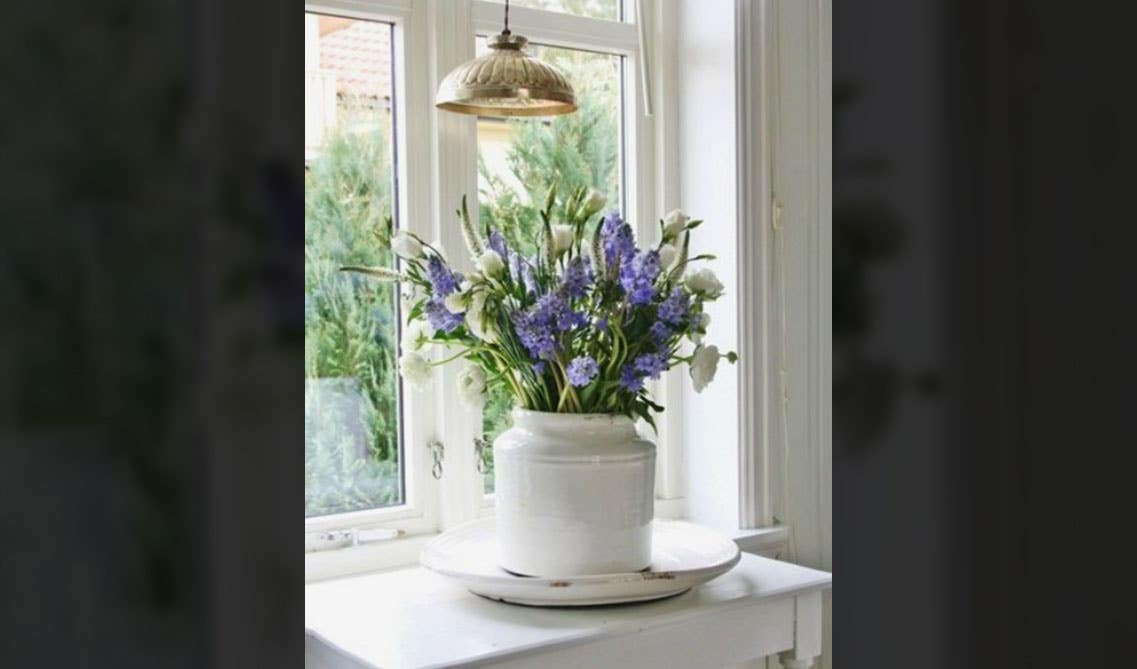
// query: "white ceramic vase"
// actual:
[[575, 494]]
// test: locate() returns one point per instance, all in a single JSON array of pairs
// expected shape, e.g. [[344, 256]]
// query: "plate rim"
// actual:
[[584, 579]]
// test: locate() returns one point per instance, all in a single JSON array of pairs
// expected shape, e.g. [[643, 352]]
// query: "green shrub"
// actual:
[[351, 414]]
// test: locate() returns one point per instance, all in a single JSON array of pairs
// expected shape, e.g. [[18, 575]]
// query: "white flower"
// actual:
[[705, 283], [562, 237], [592, 203], [478, 301], [700, 328], [472, 385], [704, 365], [667, 255], [405, 245], [674, 223], [457, 301], [415, 335], [415, 369], [475, 320], [490, 263], [481, 328]]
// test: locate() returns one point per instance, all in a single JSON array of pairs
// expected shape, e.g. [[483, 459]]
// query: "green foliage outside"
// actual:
[[579, 149], [351, 397]]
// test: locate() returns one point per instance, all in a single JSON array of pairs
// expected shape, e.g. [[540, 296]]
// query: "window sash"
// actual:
[[418, 513]]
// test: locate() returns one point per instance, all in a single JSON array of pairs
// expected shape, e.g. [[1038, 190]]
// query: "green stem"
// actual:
[[460, 354]]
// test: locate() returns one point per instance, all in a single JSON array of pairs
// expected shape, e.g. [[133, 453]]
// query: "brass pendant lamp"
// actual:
[[506, 82]]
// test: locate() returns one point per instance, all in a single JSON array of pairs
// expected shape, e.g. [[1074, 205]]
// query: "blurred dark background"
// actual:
[[983, 372], [150, 376]]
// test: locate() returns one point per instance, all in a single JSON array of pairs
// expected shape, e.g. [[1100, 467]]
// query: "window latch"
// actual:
[[480, 454], [437, 454]]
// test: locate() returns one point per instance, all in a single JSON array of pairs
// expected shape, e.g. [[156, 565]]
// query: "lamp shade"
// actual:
[[506, 82]]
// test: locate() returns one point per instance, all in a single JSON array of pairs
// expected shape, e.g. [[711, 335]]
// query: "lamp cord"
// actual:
[[506, 31]]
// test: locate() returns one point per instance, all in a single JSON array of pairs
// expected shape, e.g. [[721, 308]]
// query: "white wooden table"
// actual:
[[416, 618]]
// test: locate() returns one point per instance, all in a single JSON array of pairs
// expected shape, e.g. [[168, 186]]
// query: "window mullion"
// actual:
[[453, 156]]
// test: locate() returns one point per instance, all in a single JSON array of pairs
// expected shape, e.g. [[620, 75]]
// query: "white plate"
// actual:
[[683, 555]]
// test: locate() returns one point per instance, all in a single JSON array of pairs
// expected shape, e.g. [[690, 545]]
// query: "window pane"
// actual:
[[518, 159], [594, 9], [352, 449]]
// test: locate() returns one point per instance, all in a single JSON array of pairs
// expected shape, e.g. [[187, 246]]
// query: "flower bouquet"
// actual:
[[576, 327], [573, 330]]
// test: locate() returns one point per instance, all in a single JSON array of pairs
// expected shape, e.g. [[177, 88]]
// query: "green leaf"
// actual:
[[550, 248], [598, 249], [641, 410], [550, 199]]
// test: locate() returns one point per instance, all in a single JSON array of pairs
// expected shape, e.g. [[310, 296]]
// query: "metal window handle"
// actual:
[[437, 453], [480, 454], [333, 539]]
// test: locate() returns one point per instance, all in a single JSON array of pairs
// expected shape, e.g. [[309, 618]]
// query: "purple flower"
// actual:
[[538, 326], [535, 334], [578, 276], [497, 244], [582, 370], [570, 319], [610, 224], [440, 317], [602, 324], [674, 308], [539, 367], [441, 278], [641, 294], [630, 379], [617, 238], [660, 331], [651, 364], [638, 277], [554, 310]]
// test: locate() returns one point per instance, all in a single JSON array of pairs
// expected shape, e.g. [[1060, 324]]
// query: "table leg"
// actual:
[[807, 632]]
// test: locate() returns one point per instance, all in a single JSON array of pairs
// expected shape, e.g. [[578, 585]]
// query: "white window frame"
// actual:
[[419, 512], [430, 185]]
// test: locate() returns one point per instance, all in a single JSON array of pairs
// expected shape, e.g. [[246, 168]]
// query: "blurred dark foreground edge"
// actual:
[[151, 340], [150, 384]]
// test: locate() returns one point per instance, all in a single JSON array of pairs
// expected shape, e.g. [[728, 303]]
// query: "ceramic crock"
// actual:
[[574, 494]]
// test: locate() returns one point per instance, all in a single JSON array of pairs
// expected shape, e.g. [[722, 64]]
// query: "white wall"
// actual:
[[707, 172], [784, 124], [801, 177]]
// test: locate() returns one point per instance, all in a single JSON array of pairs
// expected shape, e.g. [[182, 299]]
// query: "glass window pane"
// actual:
[[518, 159], [611, 10], [352, 445]]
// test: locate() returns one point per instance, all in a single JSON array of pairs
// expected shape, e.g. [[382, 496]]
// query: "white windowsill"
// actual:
[[404, 552]]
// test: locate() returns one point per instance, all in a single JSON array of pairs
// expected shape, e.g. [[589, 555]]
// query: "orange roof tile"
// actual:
[[360, 55]]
